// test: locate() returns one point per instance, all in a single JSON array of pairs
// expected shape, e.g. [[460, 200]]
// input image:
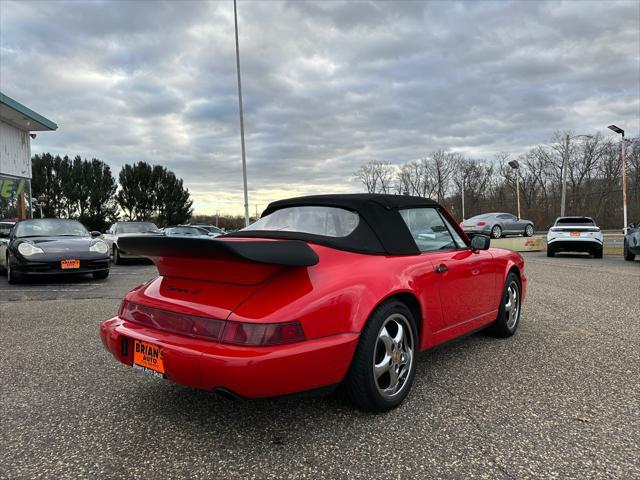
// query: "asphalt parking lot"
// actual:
[[558, 400]]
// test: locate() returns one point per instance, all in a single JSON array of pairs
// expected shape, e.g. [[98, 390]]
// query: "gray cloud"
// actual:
[[328, 85]]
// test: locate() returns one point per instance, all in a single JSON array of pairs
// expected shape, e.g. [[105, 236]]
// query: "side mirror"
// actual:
[[480, 242], [95, 233]]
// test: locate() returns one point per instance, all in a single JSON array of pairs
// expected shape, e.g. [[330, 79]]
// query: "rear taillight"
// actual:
[[191, 325], [262, 334], [237, 333], [482, 224]]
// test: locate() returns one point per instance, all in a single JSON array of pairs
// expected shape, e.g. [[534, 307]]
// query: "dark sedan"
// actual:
[[632, 242], [52, 247]]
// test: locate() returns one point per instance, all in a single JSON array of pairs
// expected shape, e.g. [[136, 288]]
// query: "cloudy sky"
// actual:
[[327, 85]]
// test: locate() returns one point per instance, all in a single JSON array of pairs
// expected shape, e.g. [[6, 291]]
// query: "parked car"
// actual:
[[320, 291], [5, 230], [632, 242], [187, 231], [211, 229], [498, 225], [124, 229], [574, 234], [49, 246]]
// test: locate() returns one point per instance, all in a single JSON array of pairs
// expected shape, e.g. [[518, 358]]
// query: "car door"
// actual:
[[465, 278], [509, 222]]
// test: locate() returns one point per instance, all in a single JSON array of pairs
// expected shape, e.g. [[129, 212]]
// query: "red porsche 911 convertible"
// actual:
[[321, 291]]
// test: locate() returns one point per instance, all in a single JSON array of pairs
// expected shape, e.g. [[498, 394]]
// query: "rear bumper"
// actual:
[[575, 245], [250, 372], [477, 231]]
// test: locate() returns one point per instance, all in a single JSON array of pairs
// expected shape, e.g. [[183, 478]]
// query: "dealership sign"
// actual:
[[12, 187]]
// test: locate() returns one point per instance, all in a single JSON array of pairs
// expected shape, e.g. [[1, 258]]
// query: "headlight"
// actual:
[[99, 247], [27, 249]]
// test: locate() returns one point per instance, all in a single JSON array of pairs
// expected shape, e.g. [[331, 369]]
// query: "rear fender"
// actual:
[[339, 294]]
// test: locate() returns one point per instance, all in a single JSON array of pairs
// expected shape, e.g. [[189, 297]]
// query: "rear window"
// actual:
[[480, 217], [576, 221], [325, 221]]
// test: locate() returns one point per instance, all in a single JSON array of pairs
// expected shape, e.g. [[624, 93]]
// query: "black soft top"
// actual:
[[381, 229]]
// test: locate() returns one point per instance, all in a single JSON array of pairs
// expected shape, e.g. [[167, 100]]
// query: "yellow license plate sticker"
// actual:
[[65, 264]]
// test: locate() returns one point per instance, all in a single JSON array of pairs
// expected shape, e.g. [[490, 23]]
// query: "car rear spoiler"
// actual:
[[292, 253]]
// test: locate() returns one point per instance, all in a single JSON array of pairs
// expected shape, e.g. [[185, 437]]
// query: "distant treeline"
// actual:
[[594, 180], [86, 190]]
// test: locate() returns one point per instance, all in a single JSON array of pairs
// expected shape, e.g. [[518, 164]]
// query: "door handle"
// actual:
[[442, 269]]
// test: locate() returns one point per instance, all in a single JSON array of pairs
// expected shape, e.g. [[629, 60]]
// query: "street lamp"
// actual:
[[244, 160], [565, 161], [462, 195], [515, 165], [623, 160]]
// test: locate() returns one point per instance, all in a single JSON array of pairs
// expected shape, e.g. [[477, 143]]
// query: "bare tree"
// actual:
[[594, 185], [377, 176]]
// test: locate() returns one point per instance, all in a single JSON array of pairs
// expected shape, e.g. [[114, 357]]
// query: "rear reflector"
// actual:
[[237, 333]]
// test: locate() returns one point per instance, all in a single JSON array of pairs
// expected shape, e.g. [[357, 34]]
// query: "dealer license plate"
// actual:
[[575, 234], [148, 358], [65, 264]]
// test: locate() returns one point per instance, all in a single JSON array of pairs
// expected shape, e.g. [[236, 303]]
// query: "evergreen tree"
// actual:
[[137, 195], [153, 193]]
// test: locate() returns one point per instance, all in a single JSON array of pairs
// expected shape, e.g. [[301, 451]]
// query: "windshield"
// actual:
[[325, 221], [575, 221], [211, 228], [139, 227], [184, 231], [50, 228]]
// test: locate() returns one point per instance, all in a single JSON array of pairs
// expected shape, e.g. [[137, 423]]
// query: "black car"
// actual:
[[632, 242], [52, 246]]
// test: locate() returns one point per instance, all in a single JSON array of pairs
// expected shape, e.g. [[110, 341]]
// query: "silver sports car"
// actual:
[[498, 225]]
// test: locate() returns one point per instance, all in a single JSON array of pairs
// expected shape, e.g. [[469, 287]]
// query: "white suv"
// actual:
[[574, 234]]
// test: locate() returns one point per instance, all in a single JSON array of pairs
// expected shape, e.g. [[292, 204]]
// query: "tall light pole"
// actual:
[[462, 195], [565, 161], [244, 160], [623, 160], [516, 166]]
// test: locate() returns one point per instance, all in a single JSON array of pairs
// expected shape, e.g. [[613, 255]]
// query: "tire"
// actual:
[[496, 231], [384, 388], [550, 252], [12, 277], [510, 308], [597, 253], [528, 231], [117, 260], [100, 275], [628, 256]]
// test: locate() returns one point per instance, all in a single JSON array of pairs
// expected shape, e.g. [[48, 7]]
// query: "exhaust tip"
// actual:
[[226, 393]]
